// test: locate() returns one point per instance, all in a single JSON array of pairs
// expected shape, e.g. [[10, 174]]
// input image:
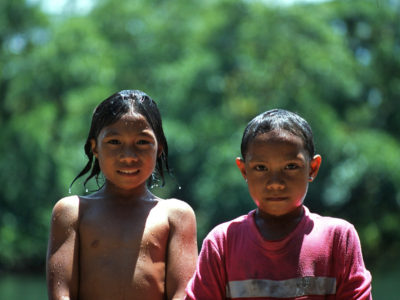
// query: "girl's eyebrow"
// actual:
[[147, 132], [111, 133]]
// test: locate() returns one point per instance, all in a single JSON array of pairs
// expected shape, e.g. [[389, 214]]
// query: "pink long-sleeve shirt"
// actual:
[[320, 259]]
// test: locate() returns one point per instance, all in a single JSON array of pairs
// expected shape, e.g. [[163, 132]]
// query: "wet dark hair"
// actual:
[[278, 119], [110, 111]]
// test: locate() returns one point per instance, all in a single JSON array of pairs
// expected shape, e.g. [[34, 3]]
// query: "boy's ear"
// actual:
[[94, 147], [242, 167], [315, 163]]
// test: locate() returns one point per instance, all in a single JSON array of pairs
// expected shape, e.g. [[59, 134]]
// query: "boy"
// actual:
[[280, 250]]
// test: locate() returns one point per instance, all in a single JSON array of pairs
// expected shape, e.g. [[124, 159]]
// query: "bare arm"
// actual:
[[182, 249], [62, 253]]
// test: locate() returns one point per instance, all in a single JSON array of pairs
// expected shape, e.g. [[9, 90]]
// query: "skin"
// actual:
[[122, 242], [278, 169]]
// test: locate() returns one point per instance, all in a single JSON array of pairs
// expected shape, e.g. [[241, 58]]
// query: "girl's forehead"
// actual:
[[134, 118], [129, 123]]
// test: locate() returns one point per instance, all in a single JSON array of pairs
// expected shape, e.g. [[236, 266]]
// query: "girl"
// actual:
[[122, 242]]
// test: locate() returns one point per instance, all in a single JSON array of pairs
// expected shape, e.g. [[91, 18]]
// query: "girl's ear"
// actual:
[[242, 167], [315, 163], [94, 147], [160, 151]]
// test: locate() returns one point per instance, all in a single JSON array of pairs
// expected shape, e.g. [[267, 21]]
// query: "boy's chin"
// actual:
[[277, 211]]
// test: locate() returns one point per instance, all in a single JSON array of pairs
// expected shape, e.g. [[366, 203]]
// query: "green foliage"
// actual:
[[211, 66]]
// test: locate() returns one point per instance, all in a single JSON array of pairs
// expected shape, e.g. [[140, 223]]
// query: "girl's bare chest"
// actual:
[[107, 229]]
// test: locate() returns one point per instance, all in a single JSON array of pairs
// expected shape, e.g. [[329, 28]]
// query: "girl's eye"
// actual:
[[114, 142], [143, 142]]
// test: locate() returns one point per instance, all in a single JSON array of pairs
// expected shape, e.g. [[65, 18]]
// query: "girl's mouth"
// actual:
[[128, 172]]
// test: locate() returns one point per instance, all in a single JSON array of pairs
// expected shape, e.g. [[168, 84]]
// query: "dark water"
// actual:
[[22, 287], [27, 287], [385, 283]]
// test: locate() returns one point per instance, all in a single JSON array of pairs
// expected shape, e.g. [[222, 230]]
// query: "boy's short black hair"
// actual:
[[278, 119], [110, 111]]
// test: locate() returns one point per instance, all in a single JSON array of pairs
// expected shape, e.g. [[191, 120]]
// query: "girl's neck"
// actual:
[[114, 193]]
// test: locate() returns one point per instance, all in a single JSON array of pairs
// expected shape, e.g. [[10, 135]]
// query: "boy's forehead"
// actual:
[[276, 137], [276, 145], [281, 135]]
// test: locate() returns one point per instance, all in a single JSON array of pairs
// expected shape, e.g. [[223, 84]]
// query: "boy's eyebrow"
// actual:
[[295, 158], [285, 158]]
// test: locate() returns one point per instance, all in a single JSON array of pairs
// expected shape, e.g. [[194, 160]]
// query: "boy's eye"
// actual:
[[292, 167], [260, 168]]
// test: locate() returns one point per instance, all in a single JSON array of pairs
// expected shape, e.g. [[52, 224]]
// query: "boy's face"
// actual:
[[127, 151], [277, 170]]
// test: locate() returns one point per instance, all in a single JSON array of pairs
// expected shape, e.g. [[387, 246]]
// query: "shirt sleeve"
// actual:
[[209, 279], [355, 282]]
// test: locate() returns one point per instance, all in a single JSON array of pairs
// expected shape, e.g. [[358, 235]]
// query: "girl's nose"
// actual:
[[128, 154]]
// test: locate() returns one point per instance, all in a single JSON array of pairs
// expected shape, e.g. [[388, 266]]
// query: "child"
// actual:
[[122, 242], [280, 250]]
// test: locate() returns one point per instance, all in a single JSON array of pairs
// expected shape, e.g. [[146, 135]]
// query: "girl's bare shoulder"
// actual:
[[174, 204], [66, 211], [69, 208], [69, 203], [176, 208]]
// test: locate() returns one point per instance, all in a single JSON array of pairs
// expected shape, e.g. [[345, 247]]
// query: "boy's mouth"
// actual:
[[276, 198]]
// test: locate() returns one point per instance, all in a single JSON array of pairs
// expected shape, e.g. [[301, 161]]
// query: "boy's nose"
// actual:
[[275, 183]]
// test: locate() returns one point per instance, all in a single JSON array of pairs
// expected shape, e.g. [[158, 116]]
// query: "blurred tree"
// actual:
[[363, 185], [50, 84], [22, 226], [246, 58], [211, 66]]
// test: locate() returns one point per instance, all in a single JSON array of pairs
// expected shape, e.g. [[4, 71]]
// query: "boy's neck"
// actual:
[[274, 227]]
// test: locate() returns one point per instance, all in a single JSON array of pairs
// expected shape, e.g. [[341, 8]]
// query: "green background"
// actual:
[[211, 66]]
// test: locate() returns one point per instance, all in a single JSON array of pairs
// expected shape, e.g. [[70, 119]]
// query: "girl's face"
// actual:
[[277, 170], [127, 151]]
